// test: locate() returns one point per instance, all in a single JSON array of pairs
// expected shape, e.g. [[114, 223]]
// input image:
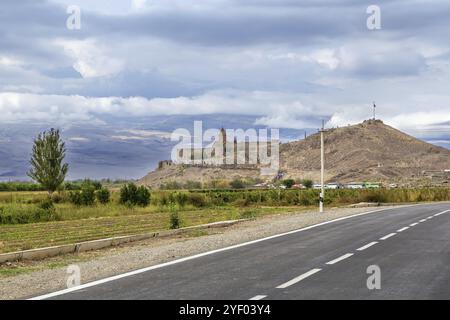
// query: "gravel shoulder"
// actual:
[[39, 277]]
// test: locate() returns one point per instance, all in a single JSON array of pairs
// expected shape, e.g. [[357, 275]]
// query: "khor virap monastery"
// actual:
[[237, 150]]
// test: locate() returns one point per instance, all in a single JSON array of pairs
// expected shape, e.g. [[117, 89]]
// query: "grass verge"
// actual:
[[37, 235]]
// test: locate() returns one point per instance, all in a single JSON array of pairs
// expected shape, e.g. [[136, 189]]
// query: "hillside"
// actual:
[[182, 174], [369, 151]]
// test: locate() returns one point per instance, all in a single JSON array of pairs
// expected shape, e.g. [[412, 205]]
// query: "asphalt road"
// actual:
[[410, 245]]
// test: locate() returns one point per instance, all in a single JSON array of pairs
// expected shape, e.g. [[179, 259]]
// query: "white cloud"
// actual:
[[126, 138], [148, 133], [79, 139], [9, 62], [138, 4], [273, 109], [90, 58]]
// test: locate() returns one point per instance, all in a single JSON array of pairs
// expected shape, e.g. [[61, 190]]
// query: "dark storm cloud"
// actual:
[[280, 63]]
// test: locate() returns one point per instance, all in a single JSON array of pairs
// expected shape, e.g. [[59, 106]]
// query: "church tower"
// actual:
[[223, 136]]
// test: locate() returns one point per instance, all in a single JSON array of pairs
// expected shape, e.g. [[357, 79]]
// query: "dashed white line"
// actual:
[[402, 229], [345, 256], [259, 297], [438, 214], [413, 224], [423, 220], [367, 246], [388, 236], [298, 279]]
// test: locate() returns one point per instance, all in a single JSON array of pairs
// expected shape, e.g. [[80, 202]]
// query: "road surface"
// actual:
[[410, 246]]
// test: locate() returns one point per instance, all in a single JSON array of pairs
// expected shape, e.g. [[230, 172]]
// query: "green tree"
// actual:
[[307, 183], [47, 167], [288, 183]]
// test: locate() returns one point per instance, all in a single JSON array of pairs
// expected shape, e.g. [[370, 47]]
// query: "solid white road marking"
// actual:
[[260, 297], [413, 224], [135, 272], [388, 236], [367, 246], [298, 279], [402, 229], [345, 256]]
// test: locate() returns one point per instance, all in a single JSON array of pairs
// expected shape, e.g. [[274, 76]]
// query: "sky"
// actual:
[[136, 70]]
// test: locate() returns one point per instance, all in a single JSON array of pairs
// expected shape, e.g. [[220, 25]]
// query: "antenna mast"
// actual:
[[374, 110]]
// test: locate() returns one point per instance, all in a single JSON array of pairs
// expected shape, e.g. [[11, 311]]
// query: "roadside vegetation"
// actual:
[[248, 183], [93, 200], [34, 219]]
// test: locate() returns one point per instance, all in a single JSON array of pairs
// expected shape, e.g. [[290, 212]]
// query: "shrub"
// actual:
[[49, 214], [88, 195], [248, 214], [130, 194], [374, 196], [47, 204], [21, 214], [103, 195], [85, 196], [75, 198], [237, 184], [162, 199], [192, 185], [241, 202], [57, 198], [307, 183], [97, 185], [70, 186], [171, 185], [288, 183], [218, 184], [142, 196], [197, 199], [181, 198], [290, 198], [175, 221]]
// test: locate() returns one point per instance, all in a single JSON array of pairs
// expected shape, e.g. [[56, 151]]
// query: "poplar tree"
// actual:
[[47, 166]]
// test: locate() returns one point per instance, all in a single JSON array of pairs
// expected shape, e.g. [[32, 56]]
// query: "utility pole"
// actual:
[[322, 168]]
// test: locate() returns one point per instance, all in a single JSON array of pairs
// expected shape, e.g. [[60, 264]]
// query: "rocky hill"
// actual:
[[369, 151], [182, 174]]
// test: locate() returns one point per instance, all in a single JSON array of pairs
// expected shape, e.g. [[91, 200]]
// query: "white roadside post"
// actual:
[[322, 169]]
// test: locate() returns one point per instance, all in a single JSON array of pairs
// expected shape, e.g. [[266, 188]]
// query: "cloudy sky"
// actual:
[[138, 69]]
